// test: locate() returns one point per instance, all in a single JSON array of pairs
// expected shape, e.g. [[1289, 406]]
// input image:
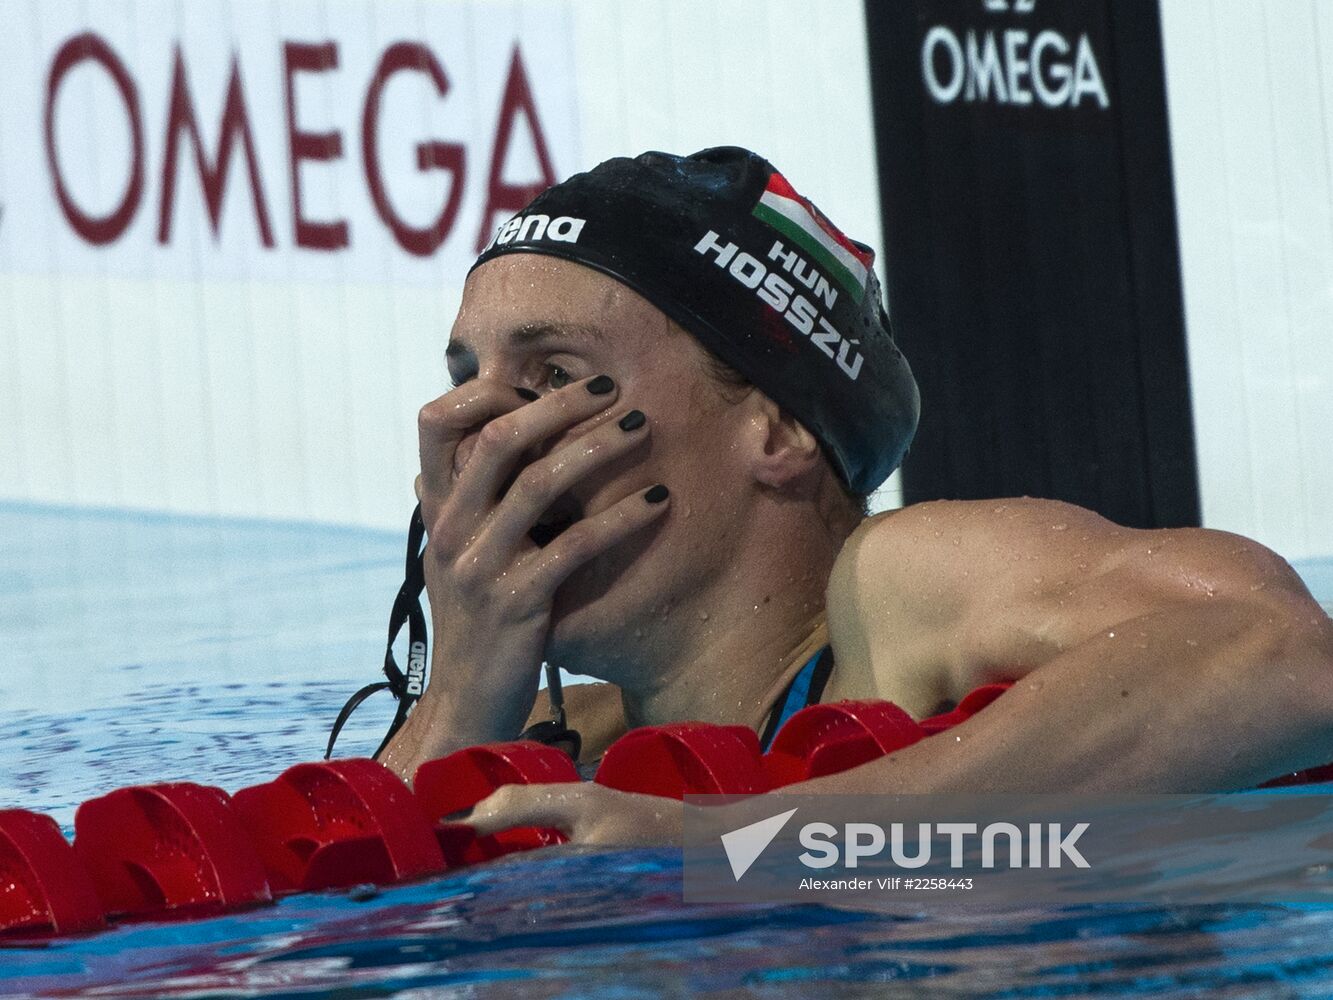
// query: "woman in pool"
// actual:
[[675, 387]]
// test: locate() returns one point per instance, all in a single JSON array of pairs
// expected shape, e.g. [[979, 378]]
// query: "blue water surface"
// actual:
[[140, 648]]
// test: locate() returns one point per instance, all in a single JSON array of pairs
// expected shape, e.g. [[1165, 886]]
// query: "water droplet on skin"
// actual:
[[1258, 586], [1191, 642], [1034, 685], [1059, 527], [1110, 635], [958, 541], [703, 615]]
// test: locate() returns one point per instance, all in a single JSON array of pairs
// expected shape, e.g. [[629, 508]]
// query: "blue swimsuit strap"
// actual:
[[805, 689]]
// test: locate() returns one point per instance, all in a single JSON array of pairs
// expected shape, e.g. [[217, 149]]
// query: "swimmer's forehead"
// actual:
[[532, 301], [531, 334]]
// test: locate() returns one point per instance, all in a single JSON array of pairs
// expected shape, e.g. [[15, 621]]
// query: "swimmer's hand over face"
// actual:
[[491, 585]]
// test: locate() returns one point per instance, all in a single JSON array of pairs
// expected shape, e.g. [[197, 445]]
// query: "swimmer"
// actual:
[[675, 388]]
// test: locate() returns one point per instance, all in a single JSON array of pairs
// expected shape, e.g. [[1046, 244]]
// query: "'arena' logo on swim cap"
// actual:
[[535, 227]]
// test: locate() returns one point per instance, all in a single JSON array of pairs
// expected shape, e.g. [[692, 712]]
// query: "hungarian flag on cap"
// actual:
[[790, 214]]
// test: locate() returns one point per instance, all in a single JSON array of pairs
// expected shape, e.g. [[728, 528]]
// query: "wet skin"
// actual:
[[1149, 661]]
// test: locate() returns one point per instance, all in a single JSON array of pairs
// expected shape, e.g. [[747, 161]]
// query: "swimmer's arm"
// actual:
[[1178, 660]]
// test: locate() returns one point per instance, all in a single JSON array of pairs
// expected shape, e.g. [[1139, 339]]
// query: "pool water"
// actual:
[[140, 649], [611, 924]]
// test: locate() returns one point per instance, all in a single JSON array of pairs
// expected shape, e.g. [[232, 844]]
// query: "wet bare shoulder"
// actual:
[[888, 601], [914, 558], [966, 592], [933, 599]]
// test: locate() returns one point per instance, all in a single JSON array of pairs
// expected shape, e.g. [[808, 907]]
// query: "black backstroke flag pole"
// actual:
[[1030, 244]]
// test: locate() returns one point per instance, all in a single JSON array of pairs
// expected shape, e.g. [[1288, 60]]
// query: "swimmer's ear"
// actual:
[[784, 452]]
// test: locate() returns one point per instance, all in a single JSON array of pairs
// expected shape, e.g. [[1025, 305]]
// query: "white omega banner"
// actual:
[[349, 140]]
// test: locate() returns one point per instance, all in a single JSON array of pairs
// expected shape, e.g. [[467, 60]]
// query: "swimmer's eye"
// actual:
[[557, 377], [460, 374]]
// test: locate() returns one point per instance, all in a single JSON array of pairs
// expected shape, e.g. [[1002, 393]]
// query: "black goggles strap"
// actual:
[[405, 686]]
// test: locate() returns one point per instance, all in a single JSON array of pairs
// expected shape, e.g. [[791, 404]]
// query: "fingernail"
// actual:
[[632, 420], [601, 385], [525, 393], [657, 494]]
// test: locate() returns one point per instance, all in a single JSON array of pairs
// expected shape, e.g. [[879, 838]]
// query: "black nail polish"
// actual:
[[525, 393], [601, 385], [632, 420], [657, 494]]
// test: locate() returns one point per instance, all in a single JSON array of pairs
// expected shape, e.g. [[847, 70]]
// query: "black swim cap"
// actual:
[[721, 243]]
